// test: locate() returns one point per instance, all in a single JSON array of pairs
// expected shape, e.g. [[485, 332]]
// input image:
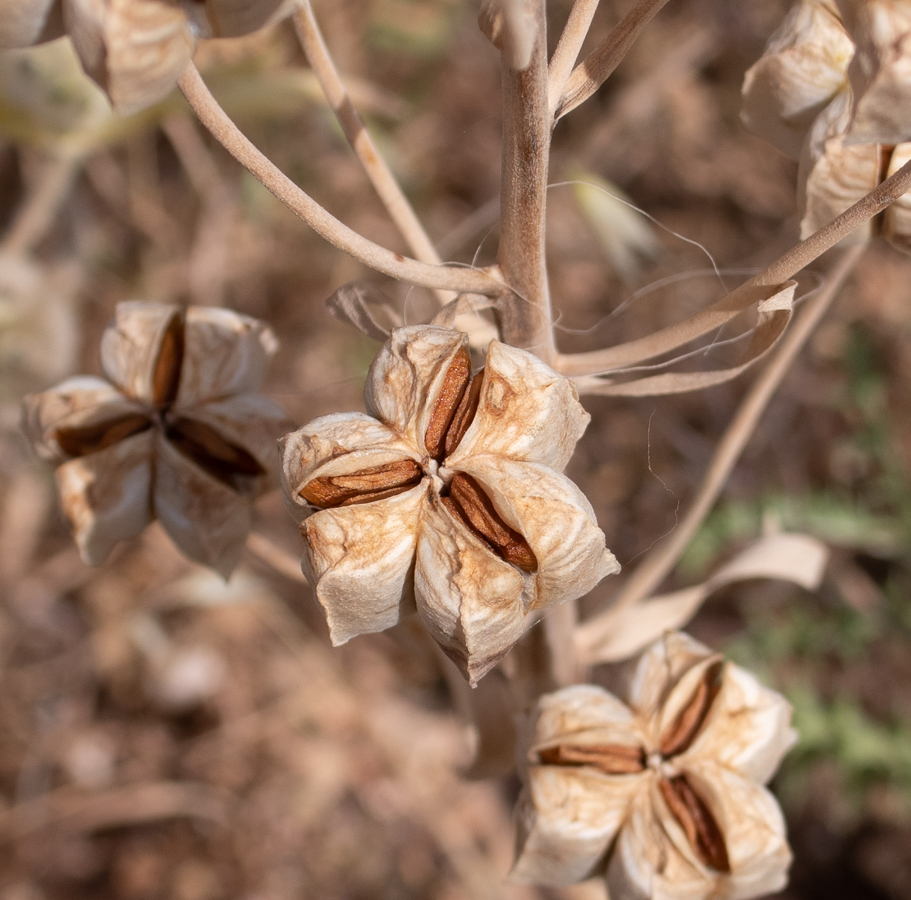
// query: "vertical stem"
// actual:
[[525, 313], [564, 58]]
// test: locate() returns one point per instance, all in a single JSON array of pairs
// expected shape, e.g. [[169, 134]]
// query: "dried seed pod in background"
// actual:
[[896, 227], [447, 498], [27, 22], [661, 793], [178, 433], [233, 18], [801, 72]]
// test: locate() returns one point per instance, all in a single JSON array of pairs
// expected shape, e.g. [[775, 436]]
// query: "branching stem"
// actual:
[[322, 222], [567, 52]]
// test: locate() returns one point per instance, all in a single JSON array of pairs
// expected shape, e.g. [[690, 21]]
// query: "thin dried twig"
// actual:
[[661, 559], [525, 313], [274, 557], [322, 222], [723, 310], [379, 173], [567, 52], [599, 65]]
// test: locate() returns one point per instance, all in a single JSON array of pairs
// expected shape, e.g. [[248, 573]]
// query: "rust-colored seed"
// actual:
[[166, 376], [464, 414], [365, 486], [697, 821], [680, 735], [612, 759], [468, 503], [454, 383], [92, 438], [211, 452]]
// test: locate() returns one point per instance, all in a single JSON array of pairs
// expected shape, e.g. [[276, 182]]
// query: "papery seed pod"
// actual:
[[660, 793], [447, 498], [880, 71], [801, 72], [134, 49], [834, 175], [27, 22], [233, 18], [896, 224]]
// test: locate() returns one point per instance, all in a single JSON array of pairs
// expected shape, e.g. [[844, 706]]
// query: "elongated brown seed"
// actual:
[[683, 731], [469, 505], [210, 451], [92, 438], [612, 759], [455, 381], [464, 414], [364, 486], [697, 821], [166, 375]]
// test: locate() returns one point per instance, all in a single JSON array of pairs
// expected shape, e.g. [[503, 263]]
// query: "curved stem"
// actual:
[[659, 562], [323, 223], [362, 143], [567, 52]]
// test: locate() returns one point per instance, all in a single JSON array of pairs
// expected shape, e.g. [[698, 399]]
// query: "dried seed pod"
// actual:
[[896, 227], [661, 794], [27, 22], [445, 498], [800, 73], [233, 18], [178, 433]]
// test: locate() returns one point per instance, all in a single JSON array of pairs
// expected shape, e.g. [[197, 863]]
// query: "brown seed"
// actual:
[[210, 451], [464, 414], [454, 383], [683, 731], [92, 438], [697, 821], [612, 759], [365, 486], [166, 377], [469, 505]]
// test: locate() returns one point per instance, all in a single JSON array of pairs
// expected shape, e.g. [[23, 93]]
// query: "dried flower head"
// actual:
[[178, 433], [448, 496], [661, 794]]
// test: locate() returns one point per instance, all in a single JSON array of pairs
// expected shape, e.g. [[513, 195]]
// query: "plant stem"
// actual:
[[599, 65], [322, 222], [362, 143], [783, 269], [525, 313], [567, 52], [659, 562]]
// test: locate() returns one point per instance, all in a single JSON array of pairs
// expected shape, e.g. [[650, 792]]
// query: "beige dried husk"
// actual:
[[473, 534], [662, 793], [233, 18], [178, 433], [27, 22], [896, 228]]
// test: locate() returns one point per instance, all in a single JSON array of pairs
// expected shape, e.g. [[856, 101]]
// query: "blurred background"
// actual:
[[166, 735]]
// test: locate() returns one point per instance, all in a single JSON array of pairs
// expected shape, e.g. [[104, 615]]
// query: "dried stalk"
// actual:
[[599, 65], [322, 222], [525, 313], [784, 268], [379, 173], [659, 562], [567, 52]]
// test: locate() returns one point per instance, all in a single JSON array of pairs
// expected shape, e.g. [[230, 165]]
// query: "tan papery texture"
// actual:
[[27, 22], [233, 18], [897, 217], [585, 818], [378, 557], [801, 71], [130, 451]]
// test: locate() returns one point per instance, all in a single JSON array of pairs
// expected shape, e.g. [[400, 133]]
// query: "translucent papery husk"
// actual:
[[802, 70], [572, 558], [225, 353], [590, 714], [834, 175], [79, 402], [27, 22], [407, 376], [526, 412], [342, 443], [107, 495], [470, 601], [233, 18], [360, 561], [880, 71], [205, 518], [134, 49], [896, 225]]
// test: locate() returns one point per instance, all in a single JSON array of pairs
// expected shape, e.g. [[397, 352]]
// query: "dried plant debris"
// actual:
[[833, 90], [661, 794], [447, 497], [177, 433]]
